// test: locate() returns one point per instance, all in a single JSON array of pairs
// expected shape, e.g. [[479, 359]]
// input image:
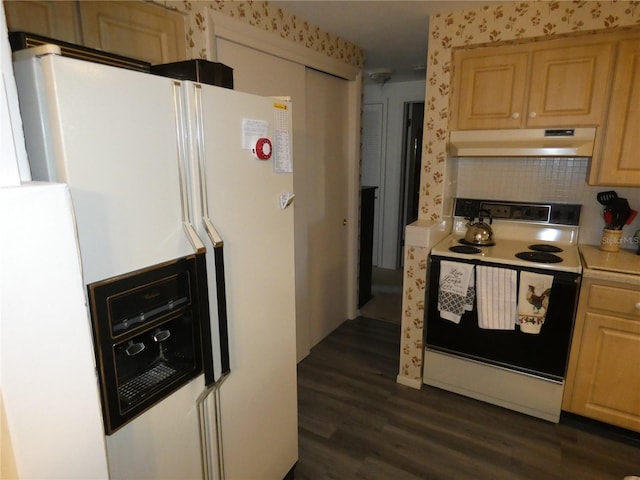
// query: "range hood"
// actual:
[[558, 142]]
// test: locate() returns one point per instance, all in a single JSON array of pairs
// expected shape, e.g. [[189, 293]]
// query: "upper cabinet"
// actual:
[[140, 30], [489, 88], [585, 81], [569, 83], [617, 163], [135, 29], [48, 18], [555, 83]]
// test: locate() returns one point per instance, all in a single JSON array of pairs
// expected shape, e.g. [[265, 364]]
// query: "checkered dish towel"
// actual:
[[456, 290]]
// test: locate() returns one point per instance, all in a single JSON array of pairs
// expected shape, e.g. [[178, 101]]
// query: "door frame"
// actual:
[[376, 169], [411, 168]]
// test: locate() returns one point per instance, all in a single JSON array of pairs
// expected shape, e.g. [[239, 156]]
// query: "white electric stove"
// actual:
[[510, 368]]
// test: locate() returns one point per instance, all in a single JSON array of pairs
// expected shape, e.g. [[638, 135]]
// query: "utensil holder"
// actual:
[[610, 241]]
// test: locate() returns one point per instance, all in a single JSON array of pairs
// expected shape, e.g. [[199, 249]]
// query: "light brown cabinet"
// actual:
[[603, 378], [489, 88], [555, 83], [48, 18], [618, 162], [135, 29]]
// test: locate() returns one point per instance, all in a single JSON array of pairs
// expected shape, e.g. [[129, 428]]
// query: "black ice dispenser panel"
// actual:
[[146, 327]]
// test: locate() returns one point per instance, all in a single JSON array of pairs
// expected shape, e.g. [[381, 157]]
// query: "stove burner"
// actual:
[[545, 247], [464, 249], [539, 257], [466, 242]]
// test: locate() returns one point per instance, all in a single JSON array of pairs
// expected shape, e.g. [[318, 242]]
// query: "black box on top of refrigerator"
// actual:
[[197, 70]]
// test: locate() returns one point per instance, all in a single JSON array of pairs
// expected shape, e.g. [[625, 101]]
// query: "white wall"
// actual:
[[393, 97]]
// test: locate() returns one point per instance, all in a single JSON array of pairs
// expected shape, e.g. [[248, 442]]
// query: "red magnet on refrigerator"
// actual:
[[262, 149]]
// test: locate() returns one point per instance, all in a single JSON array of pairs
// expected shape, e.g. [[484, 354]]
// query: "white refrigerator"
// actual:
[[159, 169]]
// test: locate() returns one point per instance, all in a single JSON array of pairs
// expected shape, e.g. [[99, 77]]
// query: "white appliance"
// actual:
[[516, 364], [159, 169]]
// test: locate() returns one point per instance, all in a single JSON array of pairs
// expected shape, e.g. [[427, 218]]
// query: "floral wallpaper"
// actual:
[[413, 302], [501, 22], [267, 17]]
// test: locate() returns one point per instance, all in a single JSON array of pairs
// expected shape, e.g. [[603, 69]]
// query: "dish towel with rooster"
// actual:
[[456, 290], [533, 300], [496, 292]]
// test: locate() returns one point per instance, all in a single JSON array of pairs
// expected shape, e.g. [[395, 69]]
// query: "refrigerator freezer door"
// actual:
[[111, 134], [259, 396], [162, 443], [115, 136]]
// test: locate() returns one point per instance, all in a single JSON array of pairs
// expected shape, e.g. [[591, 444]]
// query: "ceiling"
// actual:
[[393, 34]]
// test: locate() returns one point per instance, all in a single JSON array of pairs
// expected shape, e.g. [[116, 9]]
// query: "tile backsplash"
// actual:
[[560, 180]]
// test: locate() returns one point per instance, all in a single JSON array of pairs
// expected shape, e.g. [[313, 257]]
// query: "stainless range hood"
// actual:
[[559, 142]]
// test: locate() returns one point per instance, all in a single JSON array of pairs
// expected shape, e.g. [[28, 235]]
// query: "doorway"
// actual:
[[411, 164]]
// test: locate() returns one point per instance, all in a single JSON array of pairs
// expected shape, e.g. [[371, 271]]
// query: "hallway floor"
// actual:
[[386, 304]]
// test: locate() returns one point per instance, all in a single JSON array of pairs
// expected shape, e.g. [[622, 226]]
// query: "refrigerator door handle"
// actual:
[[206, 433], [215, 238], [178, 106], [212, 233]]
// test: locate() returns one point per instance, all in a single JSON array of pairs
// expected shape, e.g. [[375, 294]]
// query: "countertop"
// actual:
[[621, 266]]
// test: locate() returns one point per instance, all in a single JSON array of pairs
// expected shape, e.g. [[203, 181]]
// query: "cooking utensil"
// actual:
[[604, 198], [620, 210]]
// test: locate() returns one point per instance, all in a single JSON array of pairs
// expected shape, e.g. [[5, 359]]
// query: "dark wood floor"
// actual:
[[356, 422]]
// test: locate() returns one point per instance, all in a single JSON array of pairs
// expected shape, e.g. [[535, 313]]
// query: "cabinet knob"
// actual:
[[638, 306], [515, 115], [533, 114]]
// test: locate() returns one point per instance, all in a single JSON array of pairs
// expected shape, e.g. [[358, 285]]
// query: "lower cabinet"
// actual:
[[603, 379]]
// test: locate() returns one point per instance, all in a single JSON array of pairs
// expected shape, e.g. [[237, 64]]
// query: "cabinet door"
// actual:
[[489, 88], [618, 162], [50, 19], [569, 84], [134, 29], [606, 384]]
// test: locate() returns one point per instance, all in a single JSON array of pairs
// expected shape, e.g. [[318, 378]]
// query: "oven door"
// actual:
[[544, 354]]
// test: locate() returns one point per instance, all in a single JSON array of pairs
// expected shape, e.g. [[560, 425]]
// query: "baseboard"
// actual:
[[409, 382]]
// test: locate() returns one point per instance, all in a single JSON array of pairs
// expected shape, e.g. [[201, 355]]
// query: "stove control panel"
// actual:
[[553, 213]]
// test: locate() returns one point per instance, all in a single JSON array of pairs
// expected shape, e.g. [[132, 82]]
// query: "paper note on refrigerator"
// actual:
[[282, 146], [252, 130], [282, 153]]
